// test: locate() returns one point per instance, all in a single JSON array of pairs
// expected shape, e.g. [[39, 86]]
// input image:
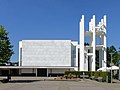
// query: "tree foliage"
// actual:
[[115, 57], [6, 50]]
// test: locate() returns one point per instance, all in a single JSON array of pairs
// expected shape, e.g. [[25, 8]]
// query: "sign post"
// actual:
[[111, 64], [119, 69]]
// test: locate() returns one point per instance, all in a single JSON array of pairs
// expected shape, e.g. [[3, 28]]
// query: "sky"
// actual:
[[56, 19]]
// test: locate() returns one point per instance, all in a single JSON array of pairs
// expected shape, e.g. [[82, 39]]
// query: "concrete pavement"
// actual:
[[38, 83]]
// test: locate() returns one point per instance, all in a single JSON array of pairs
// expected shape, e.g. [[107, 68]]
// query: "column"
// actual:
[[36, 72], [86, 62], [93, 43], [105, 46], [82, 44], [47, 72], [76, 64], [19, 71], [20, 52]]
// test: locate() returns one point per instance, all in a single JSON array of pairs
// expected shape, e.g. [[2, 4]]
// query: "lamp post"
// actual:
[[111, 64], [106, 71]]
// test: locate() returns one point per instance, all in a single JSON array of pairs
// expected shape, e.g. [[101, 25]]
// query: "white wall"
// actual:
[[28, 70], [46, 52], [57, 70], [74, 54]]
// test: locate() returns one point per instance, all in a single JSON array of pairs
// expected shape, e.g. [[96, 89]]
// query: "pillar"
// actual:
[[82, 44], [93, 43], [86, 62], [20, 52], [76, 64], [36, 72], [47, 72], [105, 45]]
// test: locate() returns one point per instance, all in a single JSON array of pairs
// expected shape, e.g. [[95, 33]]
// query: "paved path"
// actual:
[[39, 84]]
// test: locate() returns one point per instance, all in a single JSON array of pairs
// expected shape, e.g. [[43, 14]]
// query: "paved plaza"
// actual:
[[38, 83]]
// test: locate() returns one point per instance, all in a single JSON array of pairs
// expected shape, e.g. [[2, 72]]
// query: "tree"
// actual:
[[115, 57], [6, 50]]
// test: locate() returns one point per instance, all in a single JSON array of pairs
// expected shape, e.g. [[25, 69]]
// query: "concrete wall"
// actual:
[[57, 70], [46, 52], [28, 70]]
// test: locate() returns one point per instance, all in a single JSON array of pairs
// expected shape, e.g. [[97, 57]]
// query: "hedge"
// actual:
[[91, 73]]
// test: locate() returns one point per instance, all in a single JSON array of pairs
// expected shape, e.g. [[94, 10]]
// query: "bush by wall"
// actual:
[[103, 75], [90, 74], [78, 72]]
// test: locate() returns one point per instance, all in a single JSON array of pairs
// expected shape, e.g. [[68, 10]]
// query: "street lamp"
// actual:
[[106, 71], [111, 64]]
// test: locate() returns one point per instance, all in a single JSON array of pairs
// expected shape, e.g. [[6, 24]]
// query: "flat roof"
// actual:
[[29, 67]]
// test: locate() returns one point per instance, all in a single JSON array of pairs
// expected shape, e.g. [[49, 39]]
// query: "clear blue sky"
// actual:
[[56, 19]]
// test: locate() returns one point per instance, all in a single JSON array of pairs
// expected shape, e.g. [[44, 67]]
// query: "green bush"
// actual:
[[87, 73], [78, 72], [109, 77], [92, 73], [116, 76], [97, 74], [103, 75]]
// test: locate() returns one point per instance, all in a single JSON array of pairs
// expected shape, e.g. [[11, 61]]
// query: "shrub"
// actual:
[[103, 75], [91, 73], [109, 77], [96, 74]]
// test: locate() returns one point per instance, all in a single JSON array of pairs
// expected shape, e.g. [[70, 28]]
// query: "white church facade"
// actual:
[[54, 57], [57, 56], [47, 57]]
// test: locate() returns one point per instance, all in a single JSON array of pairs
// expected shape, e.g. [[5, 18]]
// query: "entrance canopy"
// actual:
[[108, 68], [113, 68], [103, 69]]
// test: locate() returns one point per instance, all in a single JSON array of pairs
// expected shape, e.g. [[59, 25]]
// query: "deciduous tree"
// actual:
[[6, 49]]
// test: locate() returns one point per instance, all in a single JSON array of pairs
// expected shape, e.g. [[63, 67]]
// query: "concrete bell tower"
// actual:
[[88, 53]]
